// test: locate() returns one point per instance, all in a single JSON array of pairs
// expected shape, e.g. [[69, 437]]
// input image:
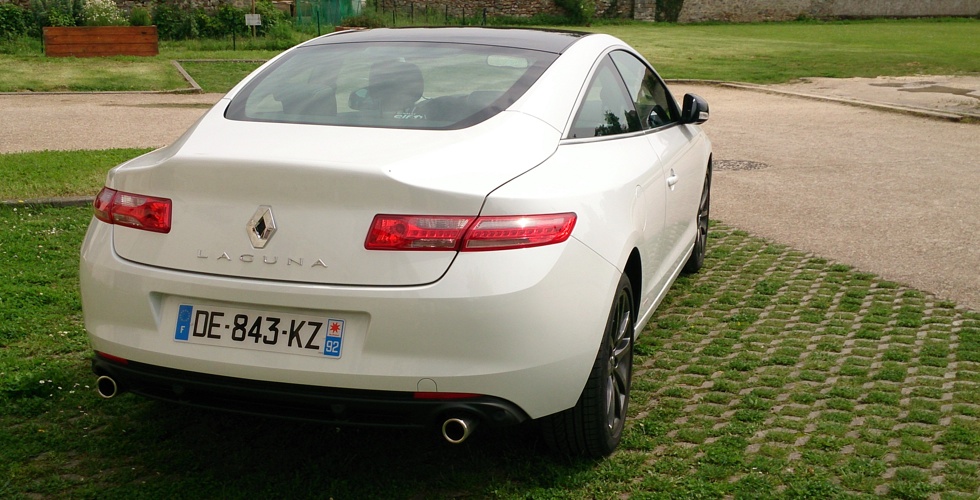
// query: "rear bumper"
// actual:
[[519, 326], [302, 402]]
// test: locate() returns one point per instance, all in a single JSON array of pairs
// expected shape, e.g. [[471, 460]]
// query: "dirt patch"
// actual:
[[950, 94]]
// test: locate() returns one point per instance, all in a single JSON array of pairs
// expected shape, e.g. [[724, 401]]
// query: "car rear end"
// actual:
[[344, 272]]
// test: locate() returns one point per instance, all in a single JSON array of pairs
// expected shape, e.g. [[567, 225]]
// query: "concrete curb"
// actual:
[[923, 112]]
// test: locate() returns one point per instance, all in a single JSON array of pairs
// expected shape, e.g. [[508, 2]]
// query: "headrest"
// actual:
[[394, 85]]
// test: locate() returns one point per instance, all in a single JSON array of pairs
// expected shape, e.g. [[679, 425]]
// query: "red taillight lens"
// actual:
[[502, 233], [414, 232], [114, 359], [133, 210], [467, 234], [444, 395]]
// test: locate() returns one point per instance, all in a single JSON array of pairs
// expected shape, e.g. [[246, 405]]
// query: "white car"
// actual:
[[421, 227]]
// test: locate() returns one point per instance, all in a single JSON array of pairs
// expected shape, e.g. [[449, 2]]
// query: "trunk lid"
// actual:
[[323, 186]]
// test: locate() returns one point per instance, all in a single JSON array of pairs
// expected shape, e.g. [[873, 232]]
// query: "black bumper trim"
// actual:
[[302, 402]]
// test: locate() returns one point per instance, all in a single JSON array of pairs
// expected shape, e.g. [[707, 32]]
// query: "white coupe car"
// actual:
[[436, 227]]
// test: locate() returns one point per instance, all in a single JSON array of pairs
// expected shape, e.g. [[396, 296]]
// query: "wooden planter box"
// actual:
[[95, 41]]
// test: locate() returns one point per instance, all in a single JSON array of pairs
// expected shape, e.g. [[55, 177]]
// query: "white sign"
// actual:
[[253, 19]]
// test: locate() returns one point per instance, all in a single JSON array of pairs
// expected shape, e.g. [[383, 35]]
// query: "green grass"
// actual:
[[761, 53], [214, 76], [26, 69], [44, 174], [779, 52], [767, 406]]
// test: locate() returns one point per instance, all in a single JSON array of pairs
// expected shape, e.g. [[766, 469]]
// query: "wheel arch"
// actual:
[[634, 272]]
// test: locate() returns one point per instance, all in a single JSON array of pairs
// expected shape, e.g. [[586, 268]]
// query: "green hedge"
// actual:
[[176, 23], [14, 21]]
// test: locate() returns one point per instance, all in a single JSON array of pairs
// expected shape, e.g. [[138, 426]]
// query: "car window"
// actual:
[[653, 102], [606, 109], [396, 85]]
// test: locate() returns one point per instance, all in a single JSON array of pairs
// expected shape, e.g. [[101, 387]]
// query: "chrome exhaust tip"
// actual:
[[106, 387], [456, 430]]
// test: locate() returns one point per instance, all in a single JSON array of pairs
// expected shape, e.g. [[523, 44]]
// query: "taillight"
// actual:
[[467, 234], [444, 395], [133, 210], [114, 359], [502, 233], [415, 232]]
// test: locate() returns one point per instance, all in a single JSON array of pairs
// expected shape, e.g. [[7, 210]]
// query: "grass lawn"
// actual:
[[44, 174], [761, 53], [771, 374], [779, 52]]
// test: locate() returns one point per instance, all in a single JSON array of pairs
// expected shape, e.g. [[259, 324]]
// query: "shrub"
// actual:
[[364, 20], [669, 10], [103, 13], [230, 19], [580, 11], [56, 13], [139, 16], [271, 16], [173, 23], [204, 24], [13, 21]]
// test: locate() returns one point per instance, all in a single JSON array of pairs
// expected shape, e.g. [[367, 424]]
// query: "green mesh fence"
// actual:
[[325, 12]]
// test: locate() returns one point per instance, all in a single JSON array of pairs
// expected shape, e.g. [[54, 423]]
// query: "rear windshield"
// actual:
[[390, 84]]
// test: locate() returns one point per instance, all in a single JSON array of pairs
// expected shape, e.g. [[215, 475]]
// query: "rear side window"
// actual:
[[653, 102], [393, 85], [606, 109]]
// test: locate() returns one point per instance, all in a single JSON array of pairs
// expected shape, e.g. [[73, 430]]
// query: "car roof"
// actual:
[[534, 39]]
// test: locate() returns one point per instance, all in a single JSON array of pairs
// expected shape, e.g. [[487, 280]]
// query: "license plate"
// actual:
[[248, 329]]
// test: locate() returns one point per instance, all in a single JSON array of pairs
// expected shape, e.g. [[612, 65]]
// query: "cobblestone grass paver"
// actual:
[[774, 373]]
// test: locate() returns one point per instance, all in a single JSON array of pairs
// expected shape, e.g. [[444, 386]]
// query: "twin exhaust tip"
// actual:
[[456, 430], [106, 387]]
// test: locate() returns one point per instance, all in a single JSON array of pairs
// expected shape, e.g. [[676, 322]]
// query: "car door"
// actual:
[[607, 116], [674, 143]]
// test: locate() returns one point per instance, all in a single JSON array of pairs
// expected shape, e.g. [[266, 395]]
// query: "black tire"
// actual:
[[594, 426], [696, 261]]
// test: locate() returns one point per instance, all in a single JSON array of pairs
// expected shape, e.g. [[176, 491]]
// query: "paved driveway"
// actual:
[[893, 194]]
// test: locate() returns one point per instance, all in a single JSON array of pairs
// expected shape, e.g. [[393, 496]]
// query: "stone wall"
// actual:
[[786, 10], [512, 8], [508, 8], [711, 10], [693, 10]]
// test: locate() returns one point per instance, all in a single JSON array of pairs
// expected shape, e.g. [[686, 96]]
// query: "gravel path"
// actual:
[[96, 121], [889, 193]]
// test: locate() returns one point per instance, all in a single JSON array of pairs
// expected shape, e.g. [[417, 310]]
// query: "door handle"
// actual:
[[672, 179]]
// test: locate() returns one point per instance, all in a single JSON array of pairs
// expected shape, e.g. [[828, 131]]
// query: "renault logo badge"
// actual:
[[261, 227]]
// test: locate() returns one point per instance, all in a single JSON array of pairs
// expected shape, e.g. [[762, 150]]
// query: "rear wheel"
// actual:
[[594, 426], [696, 261]]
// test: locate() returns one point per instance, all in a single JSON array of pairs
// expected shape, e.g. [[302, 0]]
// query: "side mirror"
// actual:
[[695, 109], [360, 100]]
